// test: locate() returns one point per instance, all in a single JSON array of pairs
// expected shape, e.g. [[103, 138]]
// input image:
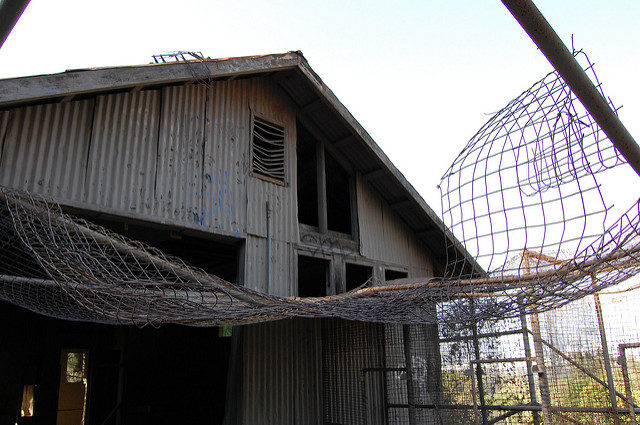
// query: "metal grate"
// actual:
[[268, 151]]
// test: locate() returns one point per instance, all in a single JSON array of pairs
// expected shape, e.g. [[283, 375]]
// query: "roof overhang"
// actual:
[[320, 110]]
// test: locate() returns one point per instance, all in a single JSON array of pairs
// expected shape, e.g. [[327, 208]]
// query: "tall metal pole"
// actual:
[[627, 386], [605, 356], [527, 353], [543, 381], [10, 12], [541, 32]]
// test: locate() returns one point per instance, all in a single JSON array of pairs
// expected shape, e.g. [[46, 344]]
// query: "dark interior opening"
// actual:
[[394, 274], [175, 374], [219, 257], [307, 177], [15, 260], [313, 276], [357, 275], [338, 196]]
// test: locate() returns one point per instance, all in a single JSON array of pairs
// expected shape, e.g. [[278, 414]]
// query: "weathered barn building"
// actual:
[[251, 169]]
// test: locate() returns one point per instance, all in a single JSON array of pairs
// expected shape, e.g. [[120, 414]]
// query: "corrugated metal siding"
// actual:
[[32, 162], [177, 154], [122, 157], [282, 257], [280, 378], [384, 237], [226, 156], [179, 175], [269, 102]]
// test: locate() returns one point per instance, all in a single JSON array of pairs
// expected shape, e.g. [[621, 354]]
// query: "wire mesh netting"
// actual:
[[526, 320], [526, 183], [488, 372]]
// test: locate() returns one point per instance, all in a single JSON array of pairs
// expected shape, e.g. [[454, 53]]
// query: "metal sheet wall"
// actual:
[[282, 275], [30, 159], [121, 166], [179, 173], [177, 155], [383, 235], [269, 102], [280, 377]]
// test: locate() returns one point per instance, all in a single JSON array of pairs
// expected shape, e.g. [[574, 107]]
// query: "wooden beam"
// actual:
[[405, 203], [322, 138], [30, 89], [323, 225], [340, 143], [374, 174], [427, 233], [311, 106]]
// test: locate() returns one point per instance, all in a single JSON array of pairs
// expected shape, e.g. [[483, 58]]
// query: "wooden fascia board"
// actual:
[[33, 89]]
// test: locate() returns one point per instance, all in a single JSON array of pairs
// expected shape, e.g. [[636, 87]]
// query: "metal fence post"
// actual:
[[527, 353], [605, 356], [543, 382]]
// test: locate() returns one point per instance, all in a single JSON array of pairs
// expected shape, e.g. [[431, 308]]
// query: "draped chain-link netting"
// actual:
[[526, 183]]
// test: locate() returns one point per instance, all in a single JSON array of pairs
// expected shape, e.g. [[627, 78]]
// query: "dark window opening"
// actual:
[[313, 277], [267, 159], [219, 259], [338, 196], [307, 177], [357, 275], [394, 274]]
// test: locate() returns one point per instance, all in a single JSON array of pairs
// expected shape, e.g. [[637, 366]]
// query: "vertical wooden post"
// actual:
[[527, 354], [627, 385], [476, 350], [411, 398], [476, 413], [605, 355], [543, 382], [321, 189]]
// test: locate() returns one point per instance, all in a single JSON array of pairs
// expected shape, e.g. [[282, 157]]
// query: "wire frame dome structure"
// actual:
[[523, 198]]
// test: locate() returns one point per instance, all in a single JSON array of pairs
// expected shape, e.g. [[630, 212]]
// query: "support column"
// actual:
[[543, 382], [527, 353], [411, 397], [606, 358]]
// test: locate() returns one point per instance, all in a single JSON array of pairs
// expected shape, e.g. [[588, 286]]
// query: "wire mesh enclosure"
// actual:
[[536, 333]]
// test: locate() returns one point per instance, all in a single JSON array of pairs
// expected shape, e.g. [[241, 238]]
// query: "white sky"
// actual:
[[419, 76]]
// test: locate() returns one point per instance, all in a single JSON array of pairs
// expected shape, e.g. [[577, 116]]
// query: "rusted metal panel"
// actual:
[[278, 278], [44, 148], [226, 156], [281, 373], [269, 102], [179, 176], [383, 235], [121, 165]]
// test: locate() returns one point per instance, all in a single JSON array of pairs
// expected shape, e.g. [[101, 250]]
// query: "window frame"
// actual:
[[322, 148], [285, 150]]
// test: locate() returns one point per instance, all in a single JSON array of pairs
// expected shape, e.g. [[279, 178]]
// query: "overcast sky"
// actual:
[[420, 76]]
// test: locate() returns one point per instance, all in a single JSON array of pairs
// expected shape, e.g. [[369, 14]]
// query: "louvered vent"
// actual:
[[268, 151]]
